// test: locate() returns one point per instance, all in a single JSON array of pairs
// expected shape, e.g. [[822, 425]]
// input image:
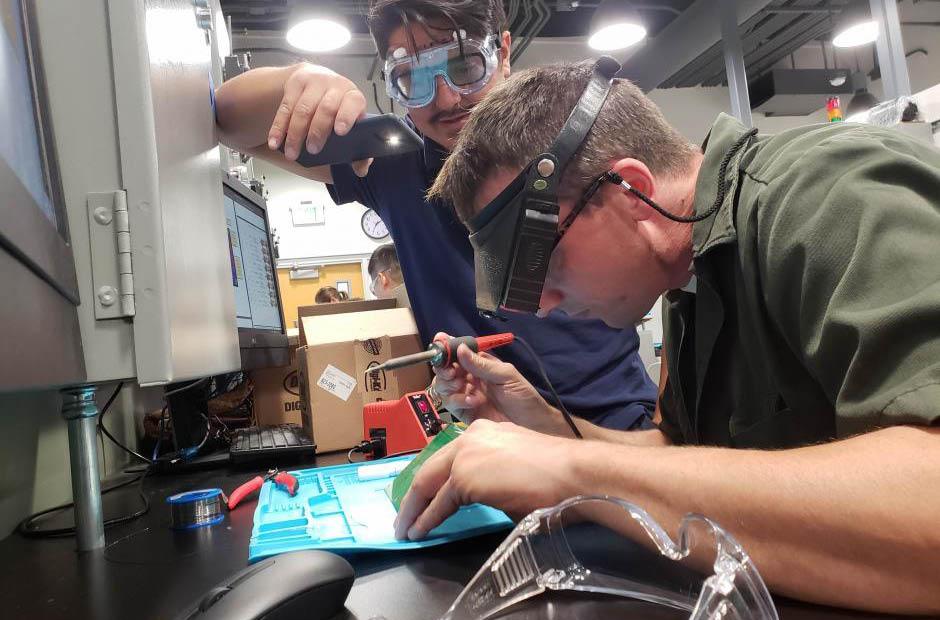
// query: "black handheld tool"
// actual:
[[378, 135]]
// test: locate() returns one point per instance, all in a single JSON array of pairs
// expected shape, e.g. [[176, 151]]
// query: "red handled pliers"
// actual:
[[282, 480]]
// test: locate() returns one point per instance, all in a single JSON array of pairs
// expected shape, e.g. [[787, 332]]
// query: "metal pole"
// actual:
[[734, 63], [890, 47], [80, 411]]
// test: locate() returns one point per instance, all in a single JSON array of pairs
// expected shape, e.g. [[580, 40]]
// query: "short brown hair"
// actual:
[[385, 258], [521, 117], [478, 18]]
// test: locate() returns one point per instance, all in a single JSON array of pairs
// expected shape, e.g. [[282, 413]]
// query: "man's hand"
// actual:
[[483, 387], [316, 103], [500, 465]]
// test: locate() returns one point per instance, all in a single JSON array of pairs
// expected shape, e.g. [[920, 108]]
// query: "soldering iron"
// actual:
[[443, 351]]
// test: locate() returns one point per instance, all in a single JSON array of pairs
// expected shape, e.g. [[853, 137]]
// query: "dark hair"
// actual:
[[385, 258], [910, 113], [478, 17], [501, 133], [329, 294]]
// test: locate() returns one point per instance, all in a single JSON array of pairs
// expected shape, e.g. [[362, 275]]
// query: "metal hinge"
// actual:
[[112, 270]]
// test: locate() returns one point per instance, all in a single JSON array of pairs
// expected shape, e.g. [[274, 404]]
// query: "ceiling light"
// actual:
[[317, 29], [855, 26], [616, 25]]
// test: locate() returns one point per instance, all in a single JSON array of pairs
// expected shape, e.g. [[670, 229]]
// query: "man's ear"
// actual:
[[384, 279], [505, 48], [635, 172]]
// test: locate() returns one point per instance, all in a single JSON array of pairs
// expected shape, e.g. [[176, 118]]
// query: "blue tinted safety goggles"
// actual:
[[466, 66]]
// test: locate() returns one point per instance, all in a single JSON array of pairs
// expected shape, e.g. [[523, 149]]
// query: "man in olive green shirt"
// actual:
[[802, 320]]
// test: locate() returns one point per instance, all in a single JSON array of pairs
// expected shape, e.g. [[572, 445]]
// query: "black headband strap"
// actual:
[[585, 112]]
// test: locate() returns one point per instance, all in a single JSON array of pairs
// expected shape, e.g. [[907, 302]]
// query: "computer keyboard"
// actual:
[[267, 442]]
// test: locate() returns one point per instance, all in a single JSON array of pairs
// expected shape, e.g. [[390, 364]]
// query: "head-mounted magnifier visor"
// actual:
[[514, 235]]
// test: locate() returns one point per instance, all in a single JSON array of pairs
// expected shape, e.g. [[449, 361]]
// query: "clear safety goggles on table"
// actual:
[[574, 546], [466, 66]]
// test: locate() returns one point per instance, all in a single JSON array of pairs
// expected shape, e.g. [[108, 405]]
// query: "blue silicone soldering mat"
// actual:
[[335, 509]]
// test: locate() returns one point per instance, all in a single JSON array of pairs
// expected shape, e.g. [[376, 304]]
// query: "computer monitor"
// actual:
[[38, 317], [261, 334]]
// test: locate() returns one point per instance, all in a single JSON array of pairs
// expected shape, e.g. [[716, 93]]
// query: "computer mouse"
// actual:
[[308, 585]]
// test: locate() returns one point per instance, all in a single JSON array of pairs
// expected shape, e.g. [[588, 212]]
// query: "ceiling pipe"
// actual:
[[697, 28], [522, 30], [542, 17]]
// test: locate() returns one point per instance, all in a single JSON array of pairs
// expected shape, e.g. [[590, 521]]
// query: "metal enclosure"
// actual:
[[131, 92], [41, 342]]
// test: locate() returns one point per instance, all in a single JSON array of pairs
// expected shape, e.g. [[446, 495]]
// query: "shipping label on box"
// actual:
[[336, 382]]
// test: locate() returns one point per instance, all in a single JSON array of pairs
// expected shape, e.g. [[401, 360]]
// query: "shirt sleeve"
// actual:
[[347, 187], [849, 251]]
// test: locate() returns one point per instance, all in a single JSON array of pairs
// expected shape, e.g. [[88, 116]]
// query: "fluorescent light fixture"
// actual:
[[855, 26], [617, 36], [317, 29], [859, 34], [616, 25]]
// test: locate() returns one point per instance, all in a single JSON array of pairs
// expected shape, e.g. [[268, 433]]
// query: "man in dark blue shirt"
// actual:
[[440, 59]]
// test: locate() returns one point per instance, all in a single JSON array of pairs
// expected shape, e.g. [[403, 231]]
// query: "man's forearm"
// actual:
[[245, 105], [554, 424], [850, 523], [648, 438]]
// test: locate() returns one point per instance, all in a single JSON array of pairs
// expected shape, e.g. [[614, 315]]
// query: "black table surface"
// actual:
[[147, 570]]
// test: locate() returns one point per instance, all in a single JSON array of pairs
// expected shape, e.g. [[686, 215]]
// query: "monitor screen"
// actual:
[[253, 272]]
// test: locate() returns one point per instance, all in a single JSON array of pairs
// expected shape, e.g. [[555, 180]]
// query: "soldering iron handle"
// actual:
[[485, 343], [448, 346]]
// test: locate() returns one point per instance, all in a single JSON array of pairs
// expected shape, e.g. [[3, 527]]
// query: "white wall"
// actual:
[[340, 234], [693, 110]]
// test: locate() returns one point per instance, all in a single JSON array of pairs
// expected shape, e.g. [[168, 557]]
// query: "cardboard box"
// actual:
[[340, 307], [333, 367], [277, 392]]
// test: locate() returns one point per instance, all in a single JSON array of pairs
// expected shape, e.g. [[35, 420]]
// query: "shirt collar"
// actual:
[[719, 228]]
